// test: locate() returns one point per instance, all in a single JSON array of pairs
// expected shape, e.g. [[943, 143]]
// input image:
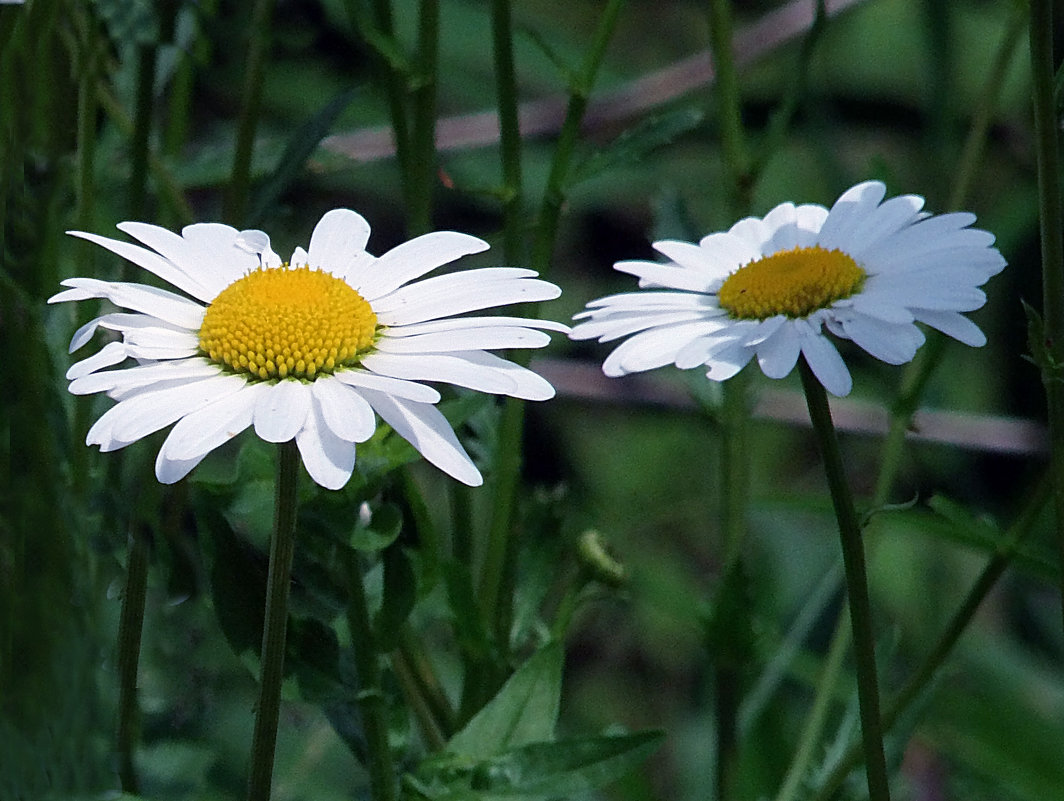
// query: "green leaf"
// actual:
[[400, 595], [1042, 347], [540, 770], [238, 585], [637, 142], [567, 767], [730, 625], [468, 625], [525, 710], [313, 652], [299, 149], [251, 513]]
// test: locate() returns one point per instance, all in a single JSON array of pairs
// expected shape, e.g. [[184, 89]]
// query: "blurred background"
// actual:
[[890, 92]]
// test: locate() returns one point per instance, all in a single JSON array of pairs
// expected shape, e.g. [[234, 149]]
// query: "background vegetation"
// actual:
[[121, 109]]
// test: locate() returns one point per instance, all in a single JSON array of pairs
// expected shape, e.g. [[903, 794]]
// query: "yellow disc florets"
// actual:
[[287, 322], [793, 282]]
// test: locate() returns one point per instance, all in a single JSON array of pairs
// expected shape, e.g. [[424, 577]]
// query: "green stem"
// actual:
[[130, 627], [394, 84], [282, 551], [735, 464], [497, 571], [1052, 220], [166, 184], [809, 741], [729, 103], [957, 625], [85, 195], [422, 162], [371, 698], [139, 146], [413, 653], [509, 131], [918, 373], [240, 177], [579, 94], [413, 691], [856, 585]]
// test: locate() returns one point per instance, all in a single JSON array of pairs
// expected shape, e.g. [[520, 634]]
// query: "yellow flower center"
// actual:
[[793, 282], [287, 322]]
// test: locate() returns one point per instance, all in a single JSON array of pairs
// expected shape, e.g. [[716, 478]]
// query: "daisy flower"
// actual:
[[307, 349], [771, 288]]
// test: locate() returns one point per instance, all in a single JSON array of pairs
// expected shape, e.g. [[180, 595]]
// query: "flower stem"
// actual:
[[370, 696], [856, 585], [1052, 220], [735, 464], [497, 572], [729, 103], [240, 177], [130, 627], [509, 131], [579, 94], [282, 550], [422, 161], [957, 625]]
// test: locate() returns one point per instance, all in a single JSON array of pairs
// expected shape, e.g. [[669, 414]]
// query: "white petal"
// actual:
[[778, 354], [162, 353], [716, 255], [199, 264], [655, 348], [149, 300], [953, 324], [329, 460], [450, 368], [170, 471], [698, 351], [889, 218], [149, 411], [339, 239], [826, 363], [894, 344], [614, 326], [476, 339], [658, 301], [165, 269], [463, 323], [873, 306], [460, 292], [425, 427], [213, 257], [414, 259], [848, 213], [282, 411], [393, 386], [344, 411], [199, 433], [487, 372], [727, 361], [651, 274], [762, 330], [110, 354], [143, 376]]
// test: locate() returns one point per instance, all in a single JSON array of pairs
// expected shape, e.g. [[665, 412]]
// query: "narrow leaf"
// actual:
[[300, 147]]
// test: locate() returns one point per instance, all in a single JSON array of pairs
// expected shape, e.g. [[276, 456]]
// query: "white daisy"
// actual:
[[867, 270], [308, 349]]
